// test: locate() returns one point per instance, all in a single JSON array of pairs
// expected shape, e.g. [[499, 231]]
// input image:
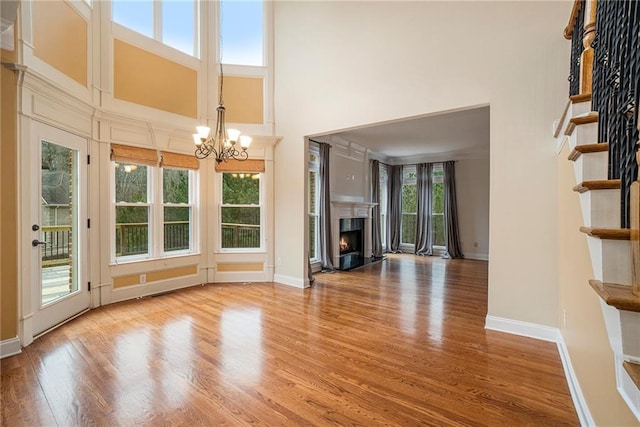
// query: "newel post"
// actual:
[[586, 59]]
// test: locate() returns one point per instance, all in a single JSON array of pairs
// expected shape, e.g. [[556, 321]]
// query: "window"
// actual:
[[409, 206], [153, 205], [172, 22], [384, 197], [177, 210], [313, 205], [133, 210], [437, 206], [242, 32], [241, 211]]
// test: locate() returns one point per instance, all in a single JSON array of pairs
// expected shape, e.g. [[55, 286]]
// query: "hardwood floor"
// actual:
[[401, 342]]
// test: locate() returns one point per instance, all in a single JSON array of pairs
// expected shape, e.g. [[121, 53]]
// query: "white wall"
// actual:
[[472, 187], [344, 64]]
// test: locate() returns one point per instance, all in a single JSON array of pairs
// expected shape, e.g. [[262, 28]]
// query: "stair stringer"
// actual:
[[610, 259]]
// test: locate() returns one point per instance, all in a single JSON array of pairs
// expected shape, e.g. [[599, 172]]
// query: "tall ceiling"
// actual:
[[444, 136]]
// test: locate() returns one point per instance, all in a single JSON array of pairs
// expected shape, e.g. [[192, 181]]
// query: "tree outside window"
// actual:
[[437, 206], [241, 211], [409, 206]]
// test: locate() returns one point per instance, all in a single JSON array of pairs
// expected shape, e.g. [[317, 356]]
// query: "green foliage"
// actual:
[[438, 198], [131, 183], [55, 157], [409, 198], [240, 189], [175, 186]]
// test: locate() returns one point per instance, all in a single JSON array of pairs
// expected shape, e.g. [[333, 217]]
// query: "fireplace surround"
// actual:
[[351, 232]]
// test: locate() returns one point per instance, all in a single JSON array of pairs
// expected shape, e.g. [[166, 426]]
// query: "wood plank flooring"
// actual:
[[400, 342]]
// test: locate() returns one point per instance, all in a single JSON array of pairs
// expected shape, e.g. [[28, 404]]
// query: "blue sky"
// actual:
[[242, 26]]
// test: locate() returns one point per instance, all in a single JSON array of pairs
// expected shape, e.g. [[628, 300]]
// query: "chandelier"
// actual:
[[223, 144]]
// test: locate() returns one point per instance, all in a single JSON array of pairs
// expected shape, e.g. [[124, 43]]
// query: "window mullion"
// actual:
[[157, 20]]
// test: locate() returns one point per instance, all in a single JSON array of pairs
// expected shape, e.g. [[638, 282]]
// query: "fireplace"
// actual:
[[351, 243], [351, 226]]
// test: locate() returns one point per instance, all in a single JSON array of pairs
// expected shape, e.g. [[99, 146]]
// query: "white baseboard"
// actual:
[[547, 333], [526, 329], [479, 257], [584, 415], [9, 347], [291, 281]]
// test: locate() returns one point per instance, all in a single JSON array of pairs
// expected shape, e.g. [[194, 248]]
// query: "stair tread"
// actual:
[[588, 148], [633, 369], [583, 97], [599, 184], [581, 120], [618, 296], [607, 233]]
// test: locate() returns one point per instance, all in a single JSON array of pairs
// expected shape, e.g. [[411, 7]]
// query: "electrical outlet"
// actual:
[[143, 279]]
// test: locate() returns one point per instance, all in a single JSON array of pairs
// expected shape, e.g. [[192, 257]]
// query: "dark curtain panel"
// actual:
[[424, 236], [309, 272], [394, 208], [376, 238], [451, 231], [326, 243]]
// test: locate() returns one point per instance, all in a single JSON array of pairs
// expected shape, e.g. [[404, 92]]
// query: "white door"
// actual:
[[59, 227]]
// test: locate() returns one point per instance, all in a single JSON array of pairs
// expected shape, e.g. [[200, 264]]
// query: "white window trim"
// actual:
[[155, 218], [410, 181], [315, 167], [192, 217], [266, 13], [261, 193], [383, 203], [128, 34]]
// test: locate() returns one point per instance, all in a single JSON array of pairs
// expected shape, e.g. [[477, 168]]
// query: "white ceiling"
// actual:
[[443, 136]]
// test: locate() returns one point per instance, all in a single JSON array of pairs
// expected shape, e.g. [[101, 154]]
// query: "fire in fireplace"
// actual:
[[351, 243]]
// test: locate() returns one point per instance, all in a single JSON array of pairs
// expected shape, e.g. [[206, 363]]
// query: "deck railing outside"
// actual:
[[132, 239]]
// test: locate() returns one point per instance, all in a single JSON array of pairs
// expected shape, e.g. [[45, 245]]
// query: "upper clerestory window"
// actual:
[[172, 22], [242, 32]]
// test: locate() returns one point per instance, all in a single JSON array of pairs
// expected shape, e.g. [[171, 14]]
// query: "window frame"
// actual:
[[220, 42], [155, 206], [128, 33], [383, 203], [192, 209], [437, 167], [406, 170], [314, 167], [260, 205]]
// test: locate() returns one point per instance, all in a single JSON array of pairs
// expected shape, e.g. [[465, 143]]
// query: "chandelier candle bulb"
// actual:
[[197, 140], [203, 131], [245, 141], [233, 135]]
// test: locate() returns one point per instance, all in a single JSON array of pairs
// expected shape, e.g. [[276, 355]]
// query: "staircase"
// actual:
[[610, 246]]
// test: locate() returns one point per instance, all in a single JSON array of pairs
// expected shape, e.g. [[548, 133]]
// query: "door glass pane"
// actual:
[[59, 200]]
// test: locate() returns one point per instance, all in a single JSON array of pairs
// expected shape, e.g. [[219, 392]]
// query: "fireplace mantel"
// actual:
[[349, 209]]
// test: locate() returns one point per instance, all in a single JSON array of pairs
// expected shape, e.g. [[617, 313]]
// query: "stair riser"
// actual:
[[630, 324], [584, 134], [601, 209], [579, 109], [610, 259], [591, 166]]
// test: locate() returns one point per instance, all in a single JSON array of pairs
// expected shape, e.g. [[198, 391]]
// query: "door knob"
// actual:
[[36, 242]]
